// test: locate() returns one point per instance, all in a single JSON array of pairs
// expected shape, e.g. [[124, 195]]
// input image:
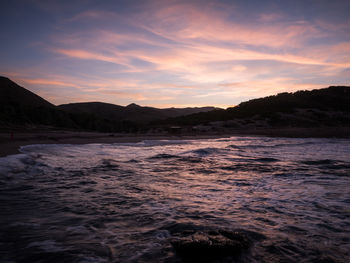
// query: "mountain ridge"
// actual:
[[21, 106], [315, 108], [131, 112], [328, 107], [13, 93]]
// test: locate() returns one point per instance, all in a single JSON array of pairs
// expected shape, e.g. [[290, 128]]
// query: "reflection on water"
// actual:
[[122, 202]]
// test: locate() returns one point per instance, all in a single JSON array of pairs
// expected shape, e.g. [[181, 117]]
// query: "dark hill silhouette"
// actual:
[[132, 112], [13, 94], [332, 98], [22, 107], [322, 107]]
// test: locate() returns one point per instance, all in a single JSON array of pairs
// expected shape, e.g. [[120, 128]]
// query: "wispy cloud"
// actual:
[[270, 17], [187, 22], [50, 82], [83, 54], [185, 53]]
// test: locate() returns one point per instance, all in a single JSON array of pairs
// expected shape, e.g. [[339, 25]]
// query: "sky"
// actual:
[[173, 53]]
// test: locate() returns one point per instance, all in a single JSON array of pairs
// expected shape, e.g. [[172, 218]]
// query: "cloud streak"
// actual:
[[187, 53]]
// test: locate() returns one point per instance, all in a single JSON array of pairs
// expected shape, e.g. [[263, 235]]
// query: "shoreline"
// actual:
[[10, 146], [11, 142]]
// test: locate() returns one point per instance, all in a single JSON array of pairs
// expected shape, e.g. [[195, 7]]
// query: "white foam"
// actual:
[[150, 143], [13, 164]]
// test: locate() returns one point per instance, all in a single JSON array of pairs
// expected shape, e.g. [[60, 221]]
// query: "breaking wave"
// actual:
[[285, 200]]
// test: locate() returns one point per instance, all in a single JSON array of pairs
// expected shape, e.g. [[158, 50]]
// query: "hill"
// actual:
[[132, 113], [328, 107], [20, 106], [12, 94], [323, 107]]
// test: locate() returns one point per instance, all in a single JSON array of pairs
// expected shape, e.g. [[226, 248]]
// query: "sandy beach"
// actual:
[[10, 141]]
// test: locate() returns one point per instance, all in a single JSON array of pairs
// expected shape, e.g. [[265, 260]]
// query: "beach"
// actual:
[[11, 141]]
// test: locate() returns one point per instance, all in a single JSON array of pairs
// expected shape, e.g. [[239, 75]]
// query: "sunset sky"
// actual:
[[173, 53]]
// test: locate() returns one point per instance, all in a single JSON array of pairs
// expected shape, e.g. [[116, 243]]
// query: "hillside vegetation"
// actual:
[[329, 107], [323, 107]]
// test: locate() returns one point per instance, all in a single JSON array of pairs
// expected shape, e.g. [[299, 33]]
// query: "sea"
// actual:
[[125, 202]]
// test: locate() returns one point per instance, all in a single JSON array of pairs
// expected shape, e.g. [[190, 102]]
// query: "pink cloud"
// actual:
[[93, 14], [337, 54], [270, 17], [83, 54], [266, 87], [123, 94], [51, 82], [199, 46], [187, 22]]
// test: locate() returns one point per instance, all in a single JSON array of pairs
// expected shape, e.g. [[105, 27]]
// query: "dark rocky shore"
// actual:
[[206, 246]]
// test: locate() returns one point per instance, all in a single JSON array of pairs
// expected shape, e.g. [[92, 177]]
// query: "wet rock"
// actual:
[[206, 246]]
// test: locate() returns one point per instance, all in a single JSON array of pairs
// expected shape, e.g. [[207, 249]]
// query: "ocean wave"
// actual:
[[206, 151], [319, 162], [16, 164], [163, 156], [47, 246], [267, 146], [266, 159], [251, 167], [127, 203], [152, 143]]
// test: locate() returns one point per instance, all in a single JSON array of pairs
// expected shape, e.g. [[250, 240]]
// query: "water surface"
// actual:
[[121, 202]]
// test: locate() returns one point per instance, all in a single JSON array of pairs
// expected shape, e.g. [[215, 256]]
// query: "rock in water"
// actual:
[[206, 246]]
